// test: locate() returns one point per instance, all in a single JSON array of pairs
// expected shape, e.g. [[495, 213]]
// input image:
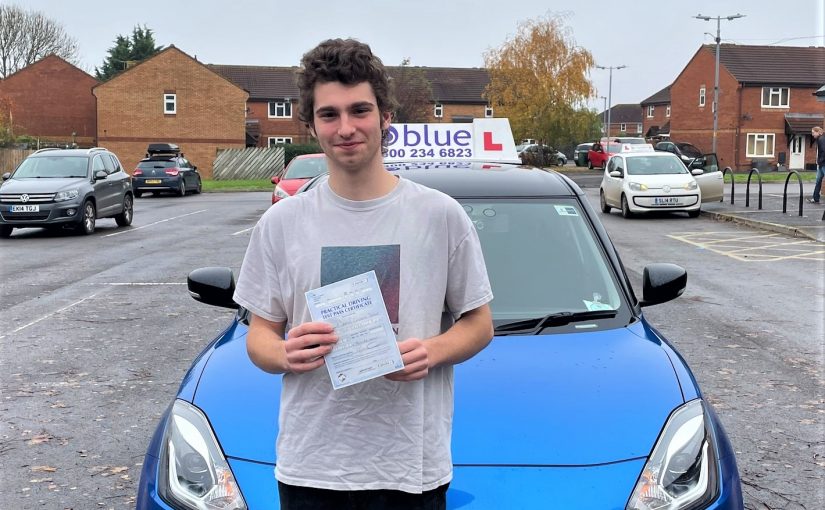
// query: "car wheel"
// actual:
[[605, 208], [626, 212], [124, 219], [182, 189], [589, 164], [694, 214], [5, 231], [200, 186], [138, 193], [87, 221]]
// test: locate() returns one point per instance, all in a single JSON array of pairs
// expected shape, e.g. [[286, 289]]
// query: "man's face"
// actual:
[[348, 124]]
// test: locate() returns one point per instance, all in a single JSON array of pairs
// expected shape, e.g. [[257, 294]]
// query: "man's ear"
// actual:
[[311, 130], [386, 117]]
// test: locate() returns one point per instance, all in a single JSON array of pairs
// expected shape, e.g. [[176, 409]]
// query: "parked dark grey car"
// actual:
[[165, 170], [68, 188]]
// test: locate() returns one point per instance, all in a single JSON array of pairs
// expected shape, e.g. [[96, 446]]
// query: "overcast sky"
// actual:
[[654, 39]]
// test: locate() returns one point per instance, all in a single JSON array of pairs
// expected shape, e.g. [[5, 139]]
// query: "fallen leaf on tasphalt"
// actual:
[[40, 439], [44, 469]]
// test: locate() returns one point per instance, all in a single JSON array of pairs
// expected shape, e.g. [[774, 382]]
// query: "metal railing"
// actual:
[[748, 188], [785, 192], [728, 170]]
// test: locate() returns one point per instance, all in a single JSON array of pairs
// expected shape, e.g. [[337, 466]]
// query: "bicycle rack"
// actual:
[[785, 193], [728, 170], [748, 188]]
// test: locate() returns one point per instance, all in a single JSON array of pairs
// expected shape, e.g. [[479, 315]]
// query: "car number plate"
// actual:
[[152, 181], [25, 208], [667, 201]]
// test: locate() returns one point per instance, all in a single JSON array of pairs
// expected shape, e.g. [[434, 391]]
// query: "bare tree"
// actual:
[[28, 36]]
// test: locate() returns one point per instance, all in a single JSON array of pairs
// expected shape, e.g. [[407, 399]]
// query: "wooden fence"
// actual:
[[10, 158], [249, 163]]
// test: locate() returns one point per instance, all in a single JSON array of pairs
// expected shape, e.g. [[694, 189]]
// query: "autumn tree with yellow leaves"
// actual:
[[539, 80]]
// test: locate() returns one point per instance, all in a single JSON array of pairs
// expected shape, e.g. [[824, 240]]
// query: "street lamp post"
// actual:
[[605, 112], [609, 96], [716, 77]]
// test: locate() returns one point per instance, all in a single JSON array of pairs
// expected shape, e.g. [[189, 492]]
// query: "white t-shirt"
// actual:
[[378, 434]]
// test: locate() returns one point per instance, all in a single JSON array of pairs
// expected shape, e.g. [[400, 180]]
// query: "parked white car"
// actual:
[[644, 181]]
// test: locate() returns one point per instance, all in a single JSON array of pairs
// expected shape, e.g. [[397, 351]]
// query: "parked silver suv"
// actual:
[[69, 188]]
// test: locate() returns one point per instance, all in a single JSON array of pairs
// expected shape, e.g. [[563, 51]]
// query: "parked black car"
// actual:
[[69, 188], [686, 152], [165, 169]]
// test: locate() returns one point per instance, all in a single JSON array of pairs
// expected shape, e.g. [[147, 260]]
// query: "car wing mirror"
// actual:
[[100, 175], [616, 173], [697, 171], [6, 176], [275, 179], [213, 286], [662, 282]]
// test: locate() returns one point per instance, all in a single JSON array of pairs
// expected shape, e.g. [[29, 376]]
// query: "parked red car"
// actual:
[[600, 152], [301, 169]]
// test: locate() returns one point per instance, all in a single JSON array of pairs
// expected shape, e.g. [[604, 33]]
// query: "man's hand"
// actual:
[[307, 344], [416, 361]]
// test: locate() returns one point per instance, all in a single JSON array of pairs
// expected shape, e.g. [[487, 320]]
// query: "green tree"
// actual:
[[412, 91], [126, 51], [539, 80]]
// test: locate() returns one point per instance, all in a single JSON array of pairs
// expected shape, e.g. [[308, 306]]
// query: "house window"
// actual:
[[650, 111], [638, 128], [278, 140], [438, 110], [170, 104], [667, 111], [488, 112], [760, 145], [702, 95], [280, 110], [623, 128], [775, 97]]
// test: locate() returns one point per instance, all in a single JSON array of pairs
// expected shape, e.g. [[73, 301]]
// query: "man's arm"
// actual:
[[302, 351], [467, 337]]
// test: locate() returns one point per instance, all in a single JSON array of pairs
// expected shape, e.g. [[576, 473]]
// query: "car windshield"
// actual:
[[561, 268], [305, 168], [652, 165], [689, 150], [52, 167]]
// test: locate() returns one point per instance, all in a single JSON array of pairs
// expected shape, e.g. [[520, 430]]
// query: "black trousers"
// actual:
[[308, 498]]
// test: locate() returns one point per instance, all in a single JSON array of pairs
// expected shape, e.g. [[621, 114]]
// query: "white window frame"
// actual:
[[623, 127], [438, 110], [702, 96], [275, 140], [667, 111], [639, 128], [283, 110], [170, 100], [767, 139], [776, 92], [488, 112], [650, 110]]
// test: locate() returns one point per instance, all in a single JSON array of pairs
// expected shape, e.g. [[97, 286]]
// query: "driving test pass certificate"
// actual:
[[366, 346]]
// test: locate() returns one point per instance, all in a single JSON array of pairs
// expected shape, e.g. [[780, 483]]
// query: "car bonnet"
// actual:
[[41, 185], [579, 399]]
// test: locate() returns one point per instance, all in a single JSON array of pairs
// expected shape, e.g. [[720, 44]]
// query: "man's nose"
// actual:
[[346, 128]]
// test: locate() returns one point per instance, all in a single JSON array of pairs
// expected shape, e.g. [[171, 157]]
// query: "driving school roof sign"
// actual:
[[489, 140]]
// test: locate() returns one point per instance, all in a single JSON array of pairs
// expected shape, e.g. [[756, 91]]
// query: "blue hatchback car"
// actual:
[[578, 402]]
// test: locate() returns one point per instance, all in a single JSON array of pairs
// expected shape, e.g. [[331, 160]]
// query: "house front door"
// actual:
[[797, 159]]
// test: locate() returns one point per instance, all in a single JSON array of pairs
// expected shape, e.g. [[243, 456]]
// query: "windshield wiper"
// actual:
[[553, 319]]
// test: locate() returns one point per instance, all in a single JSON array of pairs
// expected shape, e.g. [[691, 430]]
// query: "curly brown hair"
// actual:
[[343, 60]]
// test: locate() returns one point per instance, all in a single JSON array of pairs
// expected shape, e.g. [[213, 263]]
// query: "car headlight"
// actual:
[[681, 473], [691, 185], [193, 472], [62, 196], [635, 186], [281, 193]]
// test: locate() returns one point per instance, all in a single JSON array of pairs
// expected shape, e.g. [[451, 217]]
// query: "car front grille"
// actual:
[[30, 198], [12, 217]]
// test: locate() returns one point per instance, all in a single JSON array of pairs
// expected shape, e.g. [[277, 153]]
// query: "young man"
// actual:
[[816, 133], [383, 443]]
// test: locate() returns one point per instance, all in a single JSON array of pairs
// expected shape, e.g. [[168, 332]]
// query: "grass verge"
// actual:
[[237, 185]]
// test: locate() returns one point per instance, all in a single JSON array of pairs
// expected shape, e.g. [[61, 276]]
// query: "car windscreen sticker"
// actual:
[[566, 210]]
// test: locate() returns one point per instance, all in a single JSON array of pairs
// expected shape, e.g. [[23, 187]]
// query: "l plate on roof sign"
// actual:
[[488, 140]]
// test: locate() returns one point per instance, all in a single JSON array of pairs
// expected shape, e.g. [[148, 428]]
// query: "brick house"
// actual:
[[767, 104], [625, 120], [272, 109], [656, 115], [52, 100], [170, 97]]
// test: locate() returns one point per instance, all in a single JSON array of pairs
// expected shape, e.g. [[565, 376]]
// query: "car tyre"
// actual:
[[182, 188], [5, 231], [124, 219], [87, 220], [200, 187], [626, 212], [589, 164], [603, 203], [694, 214], [138, 193]]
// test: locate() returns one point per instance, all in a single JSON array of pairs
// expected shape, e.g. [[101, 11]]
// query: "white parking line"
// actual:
[[137, 284], [242, 231], [32, 323], [155, 223]]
